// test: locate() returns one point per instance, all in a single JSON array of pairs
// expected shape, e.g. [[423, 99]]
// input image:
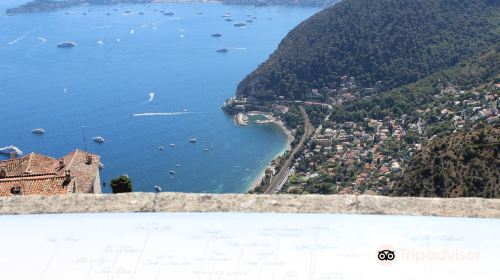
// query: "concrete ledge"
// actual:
[[184, 202]]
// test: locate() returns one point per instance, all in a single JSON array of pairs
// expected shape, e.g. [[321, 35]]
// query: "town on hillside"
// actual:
[[363, 155]]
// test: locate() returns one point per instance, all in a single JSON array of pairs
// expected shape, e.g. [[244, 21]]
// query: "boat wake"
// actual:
[[239, 48], [43, 40], [151, 96], [161, 114], [23, 36], [16, 40]]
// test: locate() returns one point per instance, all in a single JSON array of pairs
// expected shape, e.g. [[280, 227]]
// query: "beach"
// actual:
[[271, 120]]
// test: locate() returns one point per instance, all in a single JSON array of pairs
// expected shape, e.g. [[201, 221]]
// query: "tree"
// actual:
[[121, 184]]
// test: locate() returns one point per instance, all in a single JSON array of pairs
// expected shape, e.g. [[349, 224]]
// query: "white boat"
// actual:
[[172, 172], [161, 148], [98, 139], [206, 150], [172, 145], [157, 188], [38, 131], [101, 166], [192, 140], [10, 149], [177, 165]]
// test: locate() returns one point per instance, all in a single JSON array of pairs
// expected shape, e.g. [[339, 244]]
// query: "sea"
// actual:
[[142, 81]]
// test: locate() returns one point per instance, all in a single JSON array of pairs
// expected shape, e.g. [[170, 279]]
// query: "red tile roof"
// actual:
[[40, 174]]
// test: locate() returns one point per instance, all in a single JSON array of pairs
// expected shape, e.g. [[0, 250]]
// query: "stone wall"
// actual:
[[183, 202]]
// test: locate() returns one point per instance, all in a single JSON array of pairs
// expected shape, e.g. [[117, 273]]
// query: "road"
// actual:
[[279, 179]]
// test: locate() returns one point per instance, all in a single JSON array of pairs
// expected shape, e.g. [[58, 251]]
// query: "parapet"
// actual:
[[188, 202]]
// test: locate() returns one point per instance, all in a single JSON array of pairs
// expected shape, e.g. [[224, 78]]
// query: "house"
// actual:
[[36, 174]]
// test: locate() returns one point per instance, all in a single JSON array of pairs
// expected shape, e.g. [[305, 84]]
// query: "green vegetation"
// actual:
[[408, 99], [121, 184], [392, 41], [460, 164]]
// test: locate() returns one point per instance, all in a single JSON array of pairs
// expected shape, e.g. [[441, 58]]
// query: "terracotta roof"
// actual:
[[43, 185], [40, 174]]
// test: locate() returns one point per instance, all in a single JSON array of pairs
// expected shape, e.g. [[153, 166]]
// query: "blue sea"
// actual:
[[126, 64]]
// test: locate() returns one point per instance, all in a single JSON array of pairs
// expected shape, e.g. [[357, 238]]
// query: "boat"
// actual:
[[192, 140], [228, 19], [177, 165], [172, 145], [222, 50], [211, 146], [11, 149], [98, 139], [206, 150], [216, 35], [172, 172], [199, 13], [240, 24], [38, 131], [157, 188], [249, 20], [141, 13], [108, 14], [161, 148], [101, 166], [169, 14], [66, 44]]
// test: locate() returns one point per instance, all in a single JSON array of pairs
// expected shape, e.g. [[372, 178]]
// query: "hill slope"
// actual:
[[460, 164], [394, 41]]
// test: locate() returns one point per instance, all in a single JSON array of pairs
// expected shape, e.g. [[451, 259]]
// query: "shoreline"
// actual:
[[271, 120]]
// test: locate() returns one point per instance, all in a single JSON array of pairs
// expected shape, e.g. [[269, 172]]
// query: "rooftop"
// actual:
[[43, 175]]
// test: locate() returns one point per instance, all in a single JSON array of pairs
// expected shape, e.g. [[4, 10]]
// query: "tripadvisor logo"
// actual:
[[386, 254]]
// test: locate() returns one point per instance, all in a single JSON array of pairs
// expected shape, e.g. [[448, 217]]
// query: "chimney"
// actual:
[[67, 176], [61, 163], [88, 158], [12, 155]]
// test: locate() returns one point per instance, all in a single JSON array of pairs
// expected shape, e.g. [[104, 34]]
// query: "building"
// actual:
[[36, 174]]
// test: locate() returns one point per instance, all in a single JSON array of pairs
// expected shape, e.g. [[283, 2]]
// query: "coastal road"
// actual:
[[279, 179]]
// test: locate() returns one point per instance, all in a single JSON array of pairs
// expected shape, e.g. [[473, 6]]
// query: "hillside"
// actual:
[[393, 41], [407, 99], [460, 164]]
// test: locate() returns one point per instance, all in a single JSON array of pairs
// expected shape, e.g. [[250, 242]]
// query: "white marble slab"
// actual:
[[246, 246]]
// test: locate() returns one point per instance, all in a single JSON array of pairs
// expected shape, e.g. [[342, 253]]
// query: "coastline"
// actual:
[[271, 120]]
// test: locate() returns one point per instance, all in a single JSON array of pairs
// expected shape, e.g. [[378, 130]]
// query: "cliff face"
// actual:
[[393, 41]]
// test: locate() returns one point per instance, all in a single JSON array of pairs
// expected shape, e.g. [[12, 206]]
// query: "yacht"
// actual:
[[222, 50], [168, 14], [66, 44], [172, 145], [172, 172], [157, 188], [192, 140], [240, 24], [11, 149], [38, 131], [206, 150], [177, 165], [216, 35], [98, 139], [161, 148]]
